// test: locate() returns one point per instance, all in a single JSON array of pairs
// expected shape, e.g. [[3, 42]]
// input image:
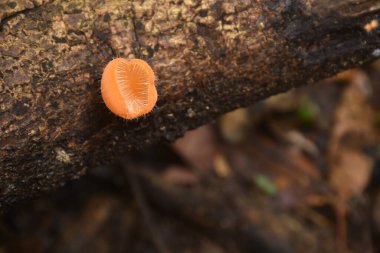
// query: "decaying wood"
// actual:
[[210, 56]]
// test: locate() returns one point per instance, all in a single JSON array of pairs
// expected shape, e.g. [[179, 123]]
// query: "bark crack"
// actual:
[[7, 15], [137, 50]]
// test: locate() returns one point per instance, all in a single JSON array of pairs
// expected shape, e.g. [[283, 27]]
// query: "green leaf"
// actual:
[[266, 185], [306, 112]]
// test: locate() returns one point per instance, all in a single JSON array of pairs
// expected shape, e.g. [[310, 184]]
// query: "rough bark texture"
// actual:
[[210, 56]]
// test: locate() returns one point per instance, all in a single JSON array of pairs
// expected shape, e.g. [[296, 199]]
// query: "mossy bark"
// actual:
[[210, 56]]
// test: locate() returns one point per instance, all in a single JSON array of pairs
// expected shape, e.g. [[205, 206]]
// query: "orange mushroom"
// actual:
[[128, 88]]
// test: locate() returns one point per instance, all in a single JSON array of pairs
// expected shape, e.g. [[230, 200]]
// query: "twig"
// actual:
[[147, 215]]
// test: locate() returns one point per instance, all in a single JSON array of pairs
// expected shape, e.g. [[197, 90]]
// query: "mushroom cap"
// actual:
[[127, 87]]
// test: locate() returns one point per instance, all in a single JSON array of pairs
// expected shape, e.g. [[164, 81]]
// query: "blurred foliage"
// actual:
[[307, 112], [266, 185]]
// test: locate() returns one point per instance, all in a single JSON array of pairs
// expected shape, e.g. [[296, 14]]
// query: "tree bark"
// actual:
[[210, 57]]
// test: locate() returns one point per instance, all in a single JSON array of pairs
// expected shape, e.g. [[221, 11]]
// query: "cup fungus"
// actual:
[[128, 88]]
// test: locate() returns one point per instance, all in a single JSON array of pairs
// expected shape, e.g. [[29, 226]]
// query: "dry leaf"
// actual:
[[234, 125], [350, 169], [350, 175], [180, 176], [221, 166], [198, 148]]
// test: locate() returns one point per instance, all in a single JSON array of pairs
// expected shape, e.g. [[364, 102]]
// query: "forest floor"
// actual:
[[298, 172]]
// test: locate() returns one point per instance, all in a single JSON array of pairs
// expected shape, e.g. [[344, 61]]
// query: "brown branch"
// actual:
[[210, 56]]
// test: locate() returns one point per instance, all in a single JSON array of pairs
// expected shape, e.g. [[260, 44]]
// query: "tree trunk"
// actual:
[[210, 56]]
